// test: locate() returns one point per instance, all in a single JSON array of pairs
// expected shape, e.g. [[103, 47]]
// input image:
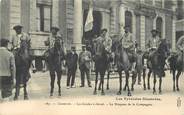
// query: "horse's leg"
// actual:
[[17, 90], [149, 74], [127, 81], [120, 82], [108, 75], [25, 92], [96, 81], [177, 78], [154, 83], [52, 77], [174, 78], [160, 84], [100, 85], [124, 89], [139, 77], [134, 77], [102, 81], [144, 75], [59, 82]]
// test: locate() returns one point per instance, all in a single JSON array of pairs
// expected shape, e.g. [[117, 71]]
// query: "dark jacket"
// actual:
[[71, 60]]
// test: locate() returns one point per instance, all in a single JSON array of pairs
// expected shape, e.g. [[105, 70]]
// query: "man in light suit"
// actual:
[[7, 70], [84, 65]]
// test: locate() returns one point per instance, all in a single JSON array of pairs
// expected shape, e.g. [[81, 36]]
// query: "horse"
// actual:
[[23, 64], [101, 63], [110, 69], [176, 65], [157, 61], [123, 64], [55, 57], [165, 52]]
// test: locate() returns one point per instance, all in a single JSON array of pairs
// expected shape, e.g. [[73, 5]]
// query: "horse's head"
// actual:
[[163, 48]]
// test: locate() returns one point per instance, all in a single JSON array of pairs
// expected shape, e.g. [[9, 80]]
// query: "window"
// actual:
[[43, 17], [158, 3], [150, 2]]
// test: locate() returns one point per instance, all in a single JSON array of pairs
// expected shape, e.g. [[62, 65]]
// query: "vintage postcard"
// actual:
[[110, 57]]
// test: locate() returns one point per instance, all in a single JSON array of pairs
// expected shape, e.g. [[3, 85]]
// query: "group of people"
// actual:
[[8, 74], [128, 42], [84, 61]]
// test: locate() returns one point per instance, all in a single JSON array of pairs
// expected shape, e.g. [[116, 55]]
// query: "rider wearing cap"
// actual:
[[16, 39]]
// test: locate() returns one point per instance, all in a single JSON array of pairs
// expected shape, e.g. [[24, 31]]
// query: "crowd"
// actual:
[[73, 60]]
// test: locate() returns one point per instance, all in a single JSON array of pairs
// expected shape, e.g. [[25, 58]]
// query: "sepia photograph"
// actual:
[[60, 57]]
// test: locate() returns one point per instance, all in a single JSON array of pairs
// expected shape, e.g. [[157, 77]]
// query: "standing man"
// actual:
[[84, 66], [128, 43], [7, 70], [71, 63]]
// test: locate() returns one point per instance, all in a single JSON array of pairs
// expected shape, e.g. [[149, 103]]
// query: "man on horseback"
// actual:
[[55, 56], [20, 45], [152, 45], [53, 37], [153, 42], [180, 51], [104, 40], [128, 43], [18, 37]]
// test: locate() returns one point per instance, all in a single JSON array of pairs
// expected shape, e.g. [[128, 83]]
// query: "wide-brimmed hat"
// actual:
[[154, 30], [55, 28], [126, 26], [73, 48], [104, 30], [19, 26]]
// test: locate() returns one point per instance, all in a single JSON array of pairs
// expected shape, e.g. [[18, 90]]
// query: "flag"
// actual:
[[89, 20]]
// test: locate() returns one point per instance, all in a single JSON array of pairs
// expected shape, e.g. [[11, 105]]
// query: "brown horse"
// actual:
[[23, 63]]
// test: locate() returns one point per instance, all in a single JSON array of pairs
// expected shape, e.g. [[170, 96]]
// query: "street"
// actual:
[[81, 100], [39, 87]]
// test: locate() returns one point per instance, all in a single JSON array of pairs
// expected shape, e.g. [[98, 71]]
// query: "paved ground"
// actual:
[[38, 88]]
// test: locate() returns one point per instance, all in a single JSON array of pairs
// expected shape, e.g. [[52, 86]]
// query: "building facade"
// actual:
[[179, 19], [37, 16]]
